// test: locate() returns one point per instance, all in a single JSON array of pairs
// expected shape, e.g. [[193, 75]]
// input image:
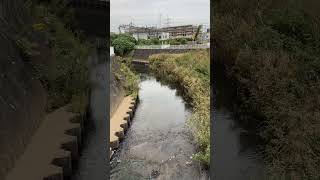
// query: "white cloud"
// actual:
[[147, 12]]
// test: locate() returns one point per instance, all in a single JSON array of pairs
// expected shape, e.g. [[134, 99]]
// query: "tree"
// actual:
[[196, 35], [122, 45]]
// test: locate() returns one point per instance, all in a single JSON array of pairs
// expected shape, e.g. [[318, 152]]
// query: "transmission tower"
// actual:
[[168, 21]]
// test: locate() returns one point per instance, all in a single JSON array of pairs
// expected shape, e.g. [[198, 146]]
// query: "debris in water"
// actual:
[[118, 161], [154, 173]]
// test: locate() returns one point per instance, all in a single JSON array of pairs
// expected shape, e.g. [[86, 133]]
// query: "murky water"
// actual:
[[236, 149], [158, 144], [93, 162]]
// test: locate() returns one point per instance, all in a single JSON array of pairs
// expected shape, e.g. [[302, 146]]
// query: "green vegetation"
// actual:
[[156, 41], [57, 54], [191, 71], [128, 78], [125, 43], [196, 35], [272, 51], [177, 41], [122, 43], [152, 41]]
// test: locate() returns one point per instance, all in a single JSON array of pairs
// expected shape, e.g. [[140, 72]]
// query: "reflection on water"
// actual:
[[158, 143], [236, 149]]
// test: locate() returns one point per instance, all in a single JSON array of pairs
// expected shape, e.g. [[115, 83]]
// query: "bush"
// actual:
[[272, 52], [64, 73], [144, 42], [128, 77], [123, 43], [155, 41], [128, 37]]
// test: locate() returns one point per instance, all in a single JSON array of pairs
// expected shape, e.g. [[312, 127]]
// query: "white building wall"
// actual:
[[138, 36], [164, 36]]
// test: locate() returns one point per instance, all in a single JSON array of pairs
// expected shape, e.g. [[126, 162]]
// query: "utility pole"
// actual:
[[160, 20]]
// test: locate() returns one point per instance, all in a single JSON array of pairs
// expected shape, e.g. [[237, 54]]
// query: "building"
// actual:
[[185, 31], [205, 34], [140, 35], [143, 32], [164, 36]]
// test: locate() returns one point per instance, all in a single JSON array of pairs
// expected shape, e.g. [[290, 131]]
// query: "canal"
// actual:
[[158, 144], [93, 162], [237, 147]]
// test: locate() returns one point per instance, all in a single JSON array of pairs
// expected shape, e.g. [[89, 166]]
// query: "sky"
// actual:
[[147, 12]]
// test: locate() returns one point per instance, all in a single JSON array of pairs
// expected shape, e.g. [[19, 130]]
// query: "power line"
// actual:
[[168, 21]]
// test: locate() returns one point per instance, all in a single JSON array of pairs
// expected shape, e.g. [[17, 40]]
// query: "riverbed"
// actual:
[[158, 145]]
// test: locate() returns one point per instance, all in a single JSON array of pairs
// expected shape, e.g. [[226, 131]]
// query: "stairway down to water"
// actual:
[[120, 121], [52, 149]]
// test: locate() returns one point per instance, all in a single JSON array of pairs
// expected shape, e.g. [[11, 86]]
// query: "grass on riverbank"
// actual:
[[129, 79], [191, 71]]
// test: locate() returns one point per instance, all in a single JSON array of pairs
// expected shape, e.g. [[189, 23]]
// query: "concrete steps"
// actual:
[[120, 121], [52, 149]]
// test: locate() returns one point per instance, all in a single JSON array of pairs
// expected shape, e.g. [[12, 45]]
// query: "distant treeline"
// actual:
[[124, 43], [272, 51]]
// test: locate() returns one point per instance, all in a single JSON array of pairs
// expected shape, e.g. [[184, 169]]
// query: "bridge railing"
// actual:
[[168, 46]]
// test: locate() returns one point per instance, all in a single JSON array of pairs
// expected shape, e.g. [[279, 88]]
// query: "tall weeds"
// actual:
[[272, 50], [191, 71], [58, 55]]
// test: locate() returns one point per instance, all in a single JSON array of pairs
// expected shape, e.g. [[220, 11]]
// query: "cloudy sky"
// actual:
[[147, 12]]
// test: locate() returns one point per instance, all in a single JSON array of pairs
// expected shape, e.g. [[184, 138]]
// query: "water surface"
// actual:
[[158, 144], [237, 149]]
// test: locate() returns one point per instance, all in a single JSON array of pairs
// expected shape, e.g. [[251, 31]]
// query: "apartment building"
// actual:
[[185, 31]]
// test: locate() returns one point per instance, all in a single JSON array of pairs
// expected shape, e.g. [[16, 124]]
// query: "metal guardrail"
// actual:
[[193, 46]]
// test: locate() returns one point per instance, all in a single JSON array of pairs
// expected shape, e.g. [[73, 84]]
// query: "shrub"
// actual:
[[128, 77], [122, 45], [64, 73], [272, 52]]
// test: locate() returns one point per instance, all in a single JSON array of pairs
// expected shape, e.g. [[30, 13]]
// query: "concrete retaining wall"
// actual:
[[116, 91], [22, 98], [145, 53]]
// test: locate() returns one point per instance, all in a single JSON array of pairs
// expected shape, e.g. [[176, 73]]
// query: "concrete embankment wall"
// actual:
[[145, 53], [22, 97], [116, 91]]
